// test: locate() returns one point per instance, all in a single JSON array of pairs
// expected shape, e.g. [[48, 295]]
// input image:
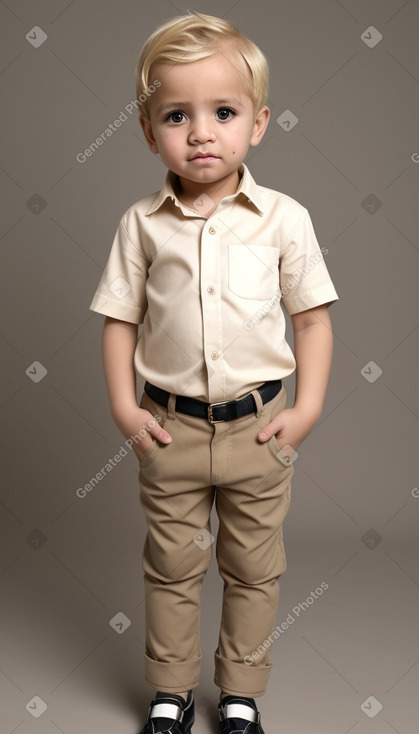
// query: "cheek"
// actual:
[[169, 145], [168, 138]]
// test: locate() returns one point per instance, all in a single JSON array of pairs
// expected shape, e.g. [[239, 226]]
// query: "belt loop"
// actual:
[[171, 407], [259, 402]]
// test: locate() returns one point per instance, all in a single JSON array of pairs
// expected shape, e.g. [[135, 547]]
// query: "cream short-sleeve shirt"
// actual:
[[208, 291]]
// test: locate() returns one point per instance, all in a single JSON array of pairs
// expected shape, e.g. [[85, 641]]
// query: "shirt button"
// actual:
[[214, 355], [211, 289], [211, 230]]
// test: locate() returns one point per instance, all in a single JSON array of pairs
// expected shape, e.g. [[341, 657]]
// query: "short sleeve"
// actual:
[[121, 292], [304, 279]]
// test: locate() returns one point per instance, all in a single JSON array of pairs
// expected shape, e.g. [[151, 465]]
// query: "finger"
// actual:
[[272, 428], [161, 435], [158, 432]]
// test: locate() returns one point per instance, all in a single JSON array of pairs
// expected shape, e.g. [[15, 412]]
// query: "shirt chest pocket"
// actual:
[[253, 271]]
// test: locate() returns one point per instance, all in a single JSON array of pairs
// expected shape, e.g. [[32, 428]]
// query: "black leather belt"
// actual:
[[215, 412]]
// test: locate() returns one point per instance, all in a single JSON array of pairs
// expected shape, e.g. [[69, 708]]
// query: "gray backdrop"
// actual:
[[72, 606]]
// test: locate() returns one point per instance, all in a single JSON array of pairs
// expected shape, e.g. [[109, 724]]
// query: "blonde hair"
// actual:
[[188, 38]]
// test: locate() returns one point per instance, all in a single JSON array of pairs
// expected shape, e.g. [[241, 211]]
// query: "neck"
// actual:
[[188, 191]]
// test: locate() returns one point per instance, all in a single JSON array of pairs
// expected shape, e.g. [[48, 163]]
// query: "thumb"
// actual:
[[272, 428], [161, 435]]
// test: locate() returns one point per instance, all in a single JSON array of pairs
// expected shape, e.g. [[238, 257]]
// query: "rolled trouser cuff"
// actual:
[[172, 676], [239, 679]]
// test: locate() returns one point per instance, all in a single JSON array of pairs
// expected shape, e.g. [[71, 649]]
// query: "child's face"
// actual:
[[201, 107]]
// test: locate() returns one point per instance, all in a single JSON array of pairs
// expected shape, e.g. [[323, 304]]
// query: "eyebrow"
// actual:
[[171, 105]]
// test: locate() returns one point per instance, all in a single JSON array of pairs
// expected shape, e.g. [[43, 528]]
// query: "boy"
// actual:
[[203, 265]]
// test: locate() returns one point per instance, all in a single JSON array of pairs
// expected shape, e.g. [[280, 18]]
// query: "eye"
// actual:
[[224, 114], [176, 114], [221, 112]]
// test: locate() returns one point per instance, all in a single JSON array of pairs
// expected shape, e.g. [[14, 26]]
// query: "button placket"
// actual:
[[211, 307]]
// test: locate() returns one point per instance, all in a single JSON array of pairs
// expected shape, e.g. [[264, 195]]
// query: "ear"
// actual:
[[148, 133], [260, 125]]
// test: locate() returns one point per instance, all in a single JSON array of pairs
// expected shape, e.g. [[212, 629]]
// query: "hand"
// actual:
[[141, 428], [290, 428]]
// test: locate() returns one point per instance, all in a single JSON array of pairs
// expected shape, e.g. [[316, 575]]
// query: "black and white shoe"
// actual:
[[239, 716], [170, 714]]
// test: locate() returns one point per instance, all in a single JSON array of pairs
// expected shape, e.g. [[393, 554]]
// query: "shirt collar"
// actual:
[[247, 188]]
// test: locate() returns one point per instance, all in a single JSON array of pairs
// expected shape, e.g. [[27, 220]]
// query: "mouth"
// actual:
[[204, 157]]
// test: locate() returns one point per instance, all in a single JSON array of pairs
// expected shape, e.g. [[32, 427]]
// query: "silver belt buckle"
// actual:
[[210, 407]]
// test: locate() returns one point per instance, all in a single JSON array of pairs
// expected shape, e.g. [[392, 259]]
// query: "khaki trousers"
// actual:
[[252, 491]]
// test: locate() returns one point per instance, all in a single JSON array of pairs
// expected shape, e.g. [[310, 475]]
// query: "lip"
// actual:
[[204, 156]]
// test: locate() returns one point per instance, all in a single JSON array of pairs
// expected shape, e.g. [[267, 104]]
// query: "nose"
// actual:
[[202, 130]]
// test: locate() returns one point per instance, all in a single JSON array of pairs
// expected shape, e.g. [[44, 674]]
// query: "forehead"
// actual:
[[220, 73]]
